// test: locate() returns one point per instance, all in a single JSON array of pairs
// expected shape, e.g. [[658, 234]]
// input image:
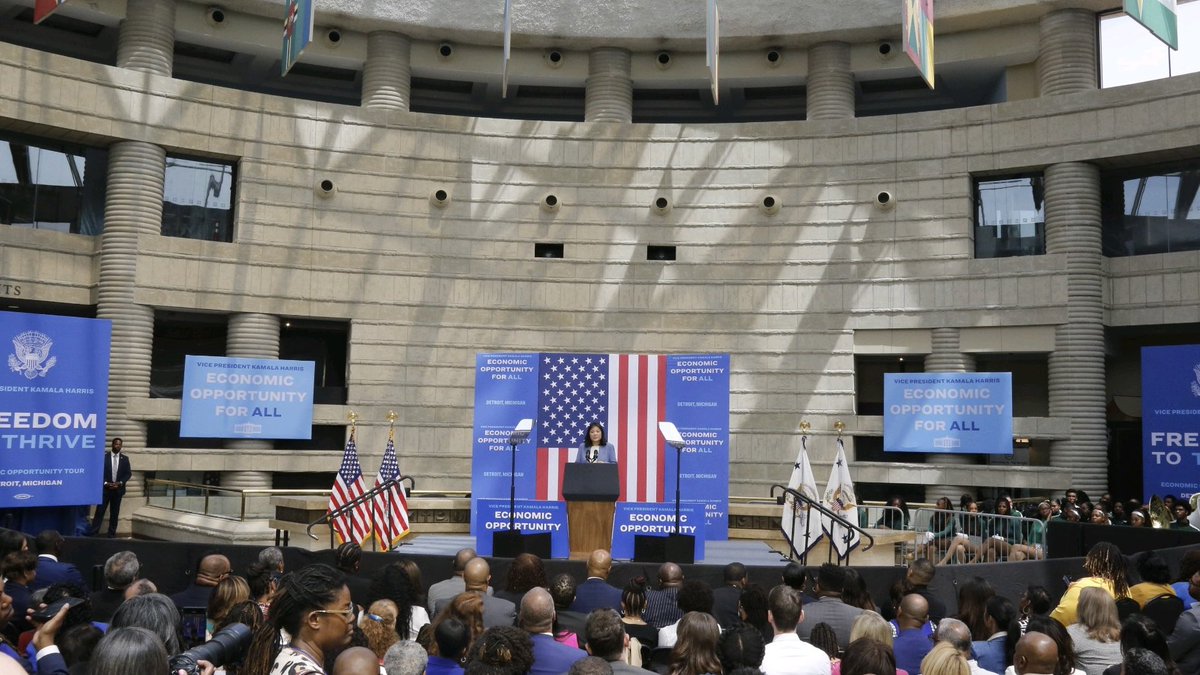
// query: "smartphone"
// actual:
[[49, 611], [194, 626]]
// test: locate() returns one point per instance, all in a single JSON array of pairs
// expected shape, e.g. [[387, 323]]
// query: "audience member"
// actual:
[[868, 657], [50, 568], [468, 609], [1156, 578], [1035, 601], [855, 593], [503, 650], [451, 639], [12, 541], [271, 557], [440, 593], [1184, 642], [263, 582], [595, 592], [568, 625], [229, 592], [728, 596], [1062, 641], [496, 611], [140, 587], [695, 652], [1036, 654], [956, 634], [379, 625], [1106, 570], [590, 665], [537, 619], [661, 606], [753, 610], [212, 568], [405, 658], [919, 575], [829, 607], [77, 643], [606, 639], [1139, 632], [1188, 566], [313, 606], [19, 569], [993, 653], [914, 634], [358, 661], [1182, 512], [347, 559], [120, 570], [394, 583], [525, 573], [740, 647], [1096, 633], [822, 637], [944, 659], [128, 650], [972, 606], [633, 604], [154, 612], [694, 596], [414, 575], [787, 654], [795, 577], [1139, 661]]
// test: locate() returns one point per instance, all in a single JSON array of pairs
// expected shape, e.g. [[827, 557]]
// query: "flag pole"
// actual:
[[391, 495], [804, 427]]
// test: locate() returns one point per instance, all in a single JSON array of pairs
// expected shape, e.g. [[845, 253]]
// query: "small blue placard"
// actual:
[[246, 398], [968, 413], [655, 519], [529, 516]]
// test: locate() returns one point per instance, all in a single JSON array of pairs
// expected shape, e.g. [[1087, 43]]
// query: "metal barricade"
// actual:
[[946, 537]]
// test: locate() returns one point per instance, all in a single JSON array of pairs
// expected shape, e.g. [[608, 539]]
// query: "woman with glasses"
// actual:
[[313, 606]]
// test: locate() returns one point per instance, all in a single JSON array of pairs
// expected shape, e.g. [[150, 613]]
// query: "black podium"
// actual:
[[591, 491]]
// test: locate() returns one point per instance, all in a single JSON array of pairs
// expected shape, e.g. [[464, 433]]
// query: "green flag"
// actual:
[[1158, 16]]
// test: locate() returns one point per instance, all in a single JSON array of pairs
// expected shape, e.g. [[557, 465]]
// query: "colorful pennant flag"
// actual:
[[712, 50], [801, 527], [839, 498], [1159, 17], [507, 48], [916, 22], [297, 32], [354, 525], [44, 8], [390, 507]]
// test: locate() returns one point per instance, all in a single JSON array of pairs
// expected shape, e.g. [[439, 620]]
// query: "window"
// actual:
[[1130, 53], [1150, 210], [198, 199], [47, 185], [326, 343], [1009, 217], [176, 335]]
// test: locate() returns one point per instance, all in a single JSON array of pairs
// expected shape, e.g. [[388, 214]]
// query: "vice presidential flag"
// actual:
[[390, 507], [802, 527], [624, 392], [354, 525], [297, 32], [1158, 16], [839, 498]]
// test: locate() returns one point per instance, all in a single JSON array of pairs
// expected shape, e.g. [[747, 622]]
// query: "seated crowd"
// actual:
[[330, 619]]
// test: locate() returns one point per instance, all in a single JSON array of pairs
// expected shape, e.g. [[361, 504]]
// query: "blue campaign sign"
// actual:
[[505, 394], [530, 517], [656, 519], [698, 405], [969, 413], [53, 404], [246, 398], [1170, 421]]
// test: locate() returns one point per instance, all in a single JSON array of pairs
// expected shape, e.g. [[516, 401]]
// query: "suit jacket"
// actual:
[[594, 594], [606, 455], [1184, 642], [105, 603], [619, 667], [725, 606], [124, 471], [552, 658], [192, 596], [51, 571], [832, 611], [498, 612], [573, 622]]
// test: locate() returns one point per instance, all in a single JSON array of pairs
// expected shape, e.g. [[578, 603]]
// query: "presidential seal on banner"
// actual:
[[32, 349]]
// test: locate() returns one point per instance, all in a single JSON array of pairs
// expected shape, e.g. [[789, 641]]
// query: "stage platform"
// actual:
[[750, 553]]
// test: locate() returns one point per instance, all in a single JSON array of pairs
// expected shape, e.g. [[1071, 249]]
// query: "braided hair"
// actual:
[[1105, 561], [347, 557], [501, 650], [300, 592]]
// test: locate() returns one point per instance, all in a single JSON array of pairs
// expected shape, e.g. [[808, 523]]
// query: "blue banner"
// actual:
[[53, 405], [698, 405], [505, 394], [246, 398], [530, 517], [1170, 421], [968, 413], [632, 519]]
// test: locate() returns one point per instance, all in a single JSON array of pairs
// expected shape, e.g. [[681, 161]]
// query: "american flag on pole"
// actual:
[[354, 525], [44, 8], [390, 507], [626, 393]]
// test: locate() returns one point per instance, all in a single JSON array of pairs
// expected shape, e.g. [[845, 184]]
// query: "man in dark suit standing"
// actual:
[[537, 619], [50, 569], [116, 473], [595, 592]]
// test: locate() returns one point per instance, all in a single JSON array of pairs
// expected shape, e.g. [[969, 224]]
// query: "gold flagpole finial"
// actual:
[[839, 426], [353, 417], [392, 417], [804, 427]]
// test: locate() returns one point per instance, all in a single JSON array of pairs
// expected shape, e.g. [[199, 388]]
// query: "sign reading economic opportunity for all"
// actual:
[[1170, 421], [948, 413], [53, 400], [246, 398]]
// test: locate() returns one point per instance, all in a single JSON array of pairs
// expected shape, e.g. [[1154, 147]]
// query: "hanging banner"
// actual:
[[969, 413], [1160, 17], [529, 517], [916, 21], [297, 32], [44, 8], [53, 404], [1170, 421], [246, 398]]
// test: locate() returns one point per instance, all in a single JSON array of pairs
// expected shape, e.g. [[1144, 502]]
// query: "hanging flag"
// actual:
[[712, 46], [44, 8], [627, 394], [801, 527], [354, 525], [297, 32], [1159, 17], [389, 508], [507, 48], [916, 24], [839, 498]]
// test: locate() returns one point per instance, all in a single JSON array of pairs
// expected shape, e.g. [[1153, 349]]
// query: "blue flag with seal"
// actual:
[[53, 404], [297, 32], [1170, 421], [969, 413]]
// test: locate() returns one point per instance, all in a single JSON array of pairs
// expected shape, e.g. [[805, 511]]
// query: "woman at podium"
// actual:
[[595, 448]]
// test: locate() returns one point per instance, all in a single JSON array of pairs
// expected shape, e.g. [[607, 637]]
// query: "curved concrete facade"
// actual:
[[794, 296]]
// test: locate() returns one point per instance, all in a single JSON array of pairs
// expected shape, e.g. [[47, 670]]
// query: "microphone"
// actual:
[[593, 455]]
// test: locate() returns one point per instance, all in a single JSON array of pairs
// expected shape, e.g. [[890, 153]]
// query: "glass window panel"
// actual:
[[1009, 217], [43, 185], [198, 199], [1130, 53], [1148, 211]]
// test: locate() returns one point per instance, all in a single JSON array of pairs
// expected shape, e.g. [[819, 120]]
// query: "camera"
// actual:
[[228, 645]]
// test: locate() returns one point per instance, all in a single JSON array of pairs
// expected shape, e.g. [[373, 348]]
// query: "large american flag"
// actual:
[[624, 392], [354, 525], [390, 507]]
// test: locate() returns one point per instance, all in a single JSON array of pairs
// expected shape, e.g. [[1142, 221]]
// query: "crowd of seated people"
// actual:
[[1124, 617]]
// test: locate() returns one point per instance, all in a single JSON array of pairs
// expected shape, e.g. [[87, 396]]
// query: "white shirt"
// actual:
[[418, 618], [789, 655], [668, 635], [976, 670]]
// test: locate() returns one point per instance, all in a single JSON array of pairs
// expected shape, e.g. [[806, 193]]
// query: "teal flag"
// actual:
[[1159, 17], [297, 32]]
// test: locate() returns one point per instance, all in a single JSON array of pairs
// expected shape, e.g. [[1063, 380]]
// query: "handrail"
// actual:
[[355, 503], [823, 511]]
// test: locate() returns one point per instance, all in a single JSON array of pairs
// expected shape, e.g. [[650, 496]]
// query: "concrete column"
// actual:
[[251, 336], [608, 96], [1067, 53], [830, 82], [1077, 377], [946, 358], [387, 76], [147, 38]]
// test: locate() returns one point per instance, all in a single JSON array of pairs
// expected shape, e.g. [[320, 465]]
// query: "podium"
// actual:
[[591, 491]]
